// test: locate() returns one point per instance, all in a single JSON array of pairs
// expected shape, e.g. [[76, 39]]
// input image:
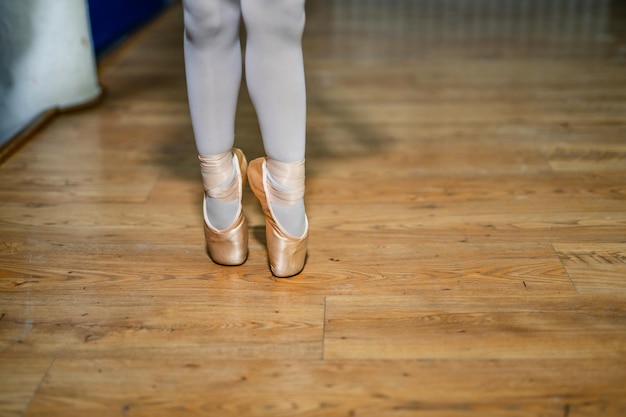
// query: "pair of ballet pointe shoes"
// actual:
[[229, 246]]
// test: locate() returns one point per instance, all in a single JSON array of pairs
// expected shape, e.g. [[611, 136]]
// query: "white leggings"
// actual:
[[273, 65]]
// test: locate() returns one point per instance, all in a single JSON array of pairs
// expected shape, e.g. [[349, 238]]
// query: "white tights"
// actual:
[[274, 73]]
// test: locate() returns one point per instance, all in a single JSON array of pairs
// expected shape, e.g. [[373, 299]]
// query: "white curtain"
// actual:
[[46, 60]]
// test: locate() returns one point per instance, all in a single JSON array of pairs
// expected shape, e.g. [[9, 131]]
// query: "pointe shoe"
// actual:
[[229, 246], [287, 253]]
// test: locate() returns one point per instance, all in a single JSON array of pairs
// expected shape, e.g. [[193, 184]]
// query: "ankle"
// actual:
[[222, 190], [286, 194], [218, 175], [286, 180]]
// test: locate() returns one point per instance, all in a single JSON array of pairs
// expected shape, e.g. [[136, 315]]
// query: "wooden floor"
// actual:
[[467, 204]]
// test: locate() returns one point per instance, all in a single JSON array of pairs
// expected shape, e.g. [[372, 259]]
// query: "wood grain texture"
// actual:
[[467, 205], [20, 379], [447, 327], [337, 388], [595, 267]]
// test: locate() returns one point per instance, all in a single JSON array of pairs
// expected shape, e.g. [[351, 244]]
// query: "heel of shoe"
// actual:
[[228, 247], [287, 253]]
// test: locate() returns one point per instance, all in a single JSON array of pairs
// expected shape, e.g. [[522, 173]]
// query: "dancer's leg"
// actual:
[[213, 66], [275, 79]]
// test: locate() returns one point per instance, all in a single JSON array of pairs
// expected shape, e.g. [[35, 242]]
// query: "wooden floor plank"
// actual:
[[19, 381], [595, 268], [331, 388], [413, 327], [141, 325], [383, 266]]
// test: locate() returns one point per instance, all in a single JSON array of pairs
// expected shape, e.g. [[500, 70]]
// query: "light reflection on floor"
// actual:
[[363, 29]]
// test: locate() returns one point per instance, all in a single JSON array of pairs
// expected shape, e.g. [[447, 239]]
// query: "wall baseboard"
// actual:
[[24, 135]]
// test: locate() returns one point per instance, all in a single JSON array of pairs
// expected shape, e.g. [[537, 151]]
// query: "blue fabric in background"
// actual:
[[111, 20]]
